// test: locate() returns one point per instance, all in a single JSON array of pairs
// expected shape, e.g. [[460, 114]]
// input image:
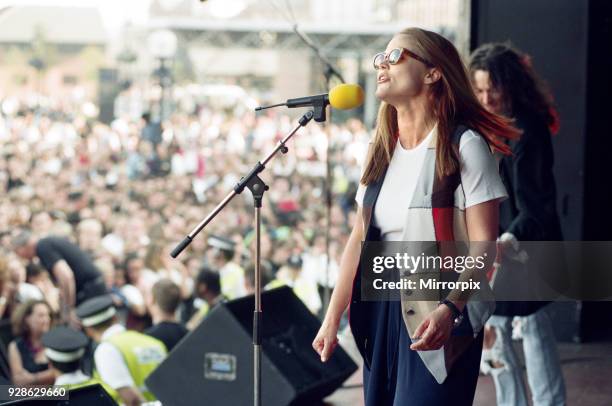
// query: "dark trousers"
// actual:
[[398, 377], [91, 289]]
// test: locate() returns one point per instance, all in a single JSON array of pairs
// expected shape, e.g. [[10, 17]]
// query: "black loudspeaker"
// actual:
[[92, 395], [213, 365]]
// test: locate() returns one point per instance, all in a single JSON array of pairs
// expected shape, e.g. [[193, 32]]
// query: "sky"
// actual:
[[115, 13]]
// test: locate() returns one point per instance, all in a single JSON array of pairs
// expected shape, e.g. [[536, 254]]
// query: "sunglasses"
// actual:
[[395, 55]]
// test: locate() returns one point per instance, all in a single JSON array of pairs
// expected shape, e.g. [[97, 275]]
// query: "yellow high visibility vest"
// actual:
[[111, 392], [142, 354], [232, 281]]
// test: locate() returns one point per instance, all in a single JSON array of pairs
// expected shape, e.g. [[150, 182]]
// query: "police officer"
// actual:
[[123, 358], [291, 275], [232, 274], [64, 348]]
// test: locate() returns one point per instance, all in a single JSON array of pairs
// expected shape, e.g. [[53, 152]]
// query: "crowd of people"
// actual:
[[91, 209]]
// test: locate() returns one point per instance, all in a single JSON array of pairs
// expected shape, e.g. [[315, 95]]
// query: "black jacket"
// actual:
[[530, 212]]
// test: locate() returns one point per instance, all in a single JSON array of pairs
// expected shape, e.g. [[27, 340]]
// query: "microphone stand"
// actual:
[[329, 71], [257, 187]]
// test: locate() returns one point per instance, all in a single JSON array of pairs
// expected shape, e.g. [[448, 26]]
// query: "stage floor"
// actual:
[[587, 369]]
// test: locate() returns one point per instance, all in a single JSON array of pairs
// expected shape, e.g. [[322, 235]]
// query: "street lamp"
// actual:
[[162, 45], [125, 59]]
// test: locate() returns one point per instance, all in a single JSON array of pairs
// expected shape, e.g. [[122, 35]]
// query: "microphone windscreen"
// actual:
[[346, 96]]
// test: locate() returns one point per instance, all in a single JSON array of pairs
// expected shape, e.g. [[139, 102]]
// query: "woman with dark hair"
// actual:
[[430, 175], [27, 360], [506, 84]]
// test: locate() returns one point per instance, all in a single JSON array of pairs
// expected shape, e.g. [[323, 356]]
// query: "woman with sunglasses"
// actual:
[[430, 175]]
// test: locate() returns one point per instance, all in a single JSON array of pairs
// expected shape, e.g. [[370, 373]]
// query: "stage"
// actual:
[[586, 367]]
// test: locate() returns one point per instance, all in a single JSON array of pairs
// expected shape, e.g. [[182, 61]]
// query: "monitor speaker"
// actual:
[[213, 364]]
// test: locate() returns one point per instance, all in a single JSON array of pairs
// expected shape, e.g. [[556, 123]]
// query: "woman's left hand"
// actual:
[[435, 330]]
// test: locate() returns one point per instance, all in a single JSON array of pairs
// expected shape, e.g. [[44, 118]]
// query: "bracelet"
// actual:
[[3, 300], [457, 315], [451, 305]]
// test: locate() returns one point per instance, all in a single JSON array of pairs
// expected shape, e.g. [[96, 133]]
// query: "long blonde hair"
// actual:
[[453, 102]]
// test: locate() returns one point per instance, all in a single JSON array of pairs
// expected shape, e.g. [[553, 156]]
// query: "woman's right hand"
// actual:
[[326, 340]]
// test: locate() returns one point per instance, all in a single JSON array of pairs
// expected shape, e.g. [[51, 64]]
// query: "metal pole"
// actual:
[[257, 315], [328, 208], [162, 85]]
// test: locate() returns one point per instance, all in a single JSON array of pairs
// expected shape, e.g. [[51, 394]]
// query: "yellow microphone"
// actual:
[[343, 97], [346, 96]]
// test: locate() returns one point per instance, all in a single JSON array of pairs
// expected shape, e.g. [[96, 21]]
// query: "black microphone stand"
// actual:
[[257, 187], [328, 72]]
